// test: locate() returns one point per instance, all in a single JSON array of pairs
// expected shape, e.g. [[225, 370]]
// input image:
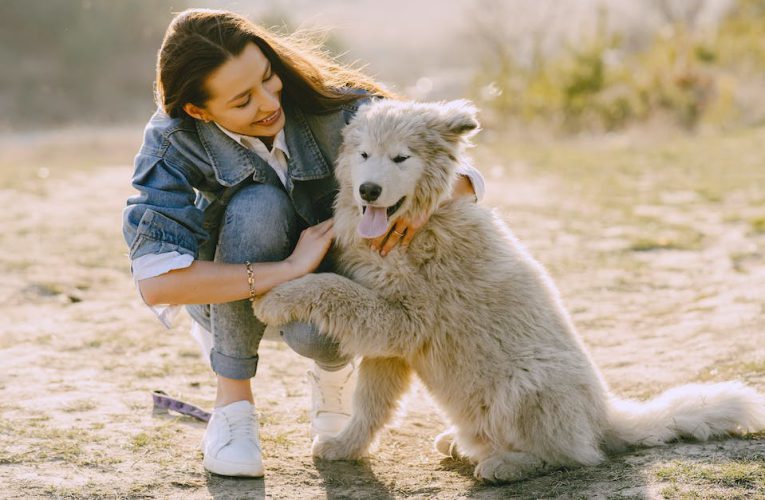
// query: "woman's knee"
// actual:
[[259, 224], [306, 340]]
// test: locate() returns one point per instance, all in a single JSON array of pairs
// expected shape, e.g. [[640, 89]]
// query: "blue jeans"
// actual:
[[259, 225]]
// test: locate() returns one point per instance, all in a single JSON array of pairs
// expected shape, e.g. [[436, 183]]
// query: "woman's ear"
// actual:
[[197, 112]]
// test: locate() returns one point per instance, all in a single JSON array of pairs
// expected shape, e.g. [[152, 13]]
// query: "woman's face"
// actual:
[[245, 96]]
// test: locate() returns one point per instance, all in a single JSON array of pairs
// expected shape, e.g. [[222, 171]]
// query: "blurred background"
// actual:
[[575, 65]]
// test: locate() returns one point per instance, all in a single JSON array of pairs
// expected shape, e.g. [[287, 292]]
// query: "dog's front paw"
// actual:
[[332, 448], [277, 307], [296, 300]]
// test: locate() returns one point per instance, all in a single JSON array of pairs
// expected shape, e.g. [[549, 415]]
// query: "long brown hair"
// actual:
[[199, 41]]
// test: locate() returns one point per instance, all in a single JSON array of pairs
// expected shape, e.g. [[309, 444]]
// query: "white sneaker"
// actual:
[[331, 394], [231, 444]]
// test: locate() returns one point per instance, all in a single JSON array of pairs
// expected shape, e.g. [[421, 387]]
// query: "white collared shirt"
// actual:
[[276, 158]]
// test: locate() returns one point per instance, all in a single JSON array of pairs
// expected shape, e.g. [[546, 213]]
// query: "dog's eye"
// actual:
[[364, 155], [400, 158]]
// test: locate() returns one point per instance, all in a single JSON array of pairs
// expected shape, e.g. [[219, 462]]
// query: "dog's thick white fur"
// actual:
[[470, 312]]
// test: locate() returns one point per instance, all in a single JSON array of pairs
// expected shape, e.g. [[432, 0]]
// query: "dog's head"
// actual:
[[400, 159]]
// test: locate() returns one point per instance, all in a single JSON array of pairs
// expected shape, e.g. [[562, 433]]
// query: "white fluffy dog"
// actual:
[[470, 312]]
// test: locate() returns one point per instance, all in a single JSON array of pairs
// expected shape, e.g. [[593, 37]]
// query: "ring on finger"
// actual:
[[397, 233]]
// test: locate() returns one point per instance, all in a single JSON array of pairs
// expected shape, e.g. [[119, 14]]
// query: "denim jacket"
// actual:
[[185, 168]]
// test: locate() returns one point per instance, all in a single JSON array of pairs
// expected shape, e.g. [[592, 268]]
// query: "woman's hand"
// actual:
[[402, 232], [312, 246]]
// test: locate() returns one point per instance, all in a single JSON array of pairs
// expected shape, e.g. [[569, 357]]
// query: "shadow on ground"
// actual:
[[354, 479], [226, 488]]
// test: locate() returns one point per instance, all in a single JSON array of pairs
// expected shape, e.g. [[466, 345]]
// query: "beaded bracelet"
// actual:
[[250, 280]]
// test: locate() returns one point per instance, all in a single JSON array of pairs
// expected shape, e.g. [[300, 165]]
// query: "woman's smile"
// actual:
[[270, 119]]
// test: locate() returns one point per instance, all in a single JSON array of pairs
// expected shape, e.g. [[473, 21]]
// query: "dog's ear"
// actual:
[[459, 119]]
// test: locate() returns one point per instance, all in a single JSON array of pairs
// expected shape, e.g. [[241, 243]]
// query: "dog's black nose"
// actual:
[[370, 191]]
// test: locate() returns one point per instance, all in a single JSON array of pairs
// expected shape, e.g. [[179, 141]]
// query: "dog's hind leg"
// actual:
[[382, 382], [462, 444], [508, 466]]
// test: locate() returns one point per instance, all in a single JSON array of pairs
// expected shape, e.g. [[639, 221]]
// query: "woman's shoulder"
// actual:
[[164, 133], [174, 142]]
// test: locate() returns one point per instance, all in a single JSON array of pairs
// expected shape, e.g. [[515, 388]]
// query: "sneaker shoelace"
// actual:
[[335, 388], [242, 426]]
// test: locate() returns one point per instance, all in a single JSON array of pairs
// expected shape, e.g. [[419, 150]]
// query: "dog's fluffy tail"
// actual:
[[698, 411]]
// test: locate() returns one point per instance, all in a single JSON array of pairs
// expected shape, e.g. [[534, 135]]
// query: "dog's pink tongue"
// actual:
[[373, 223]]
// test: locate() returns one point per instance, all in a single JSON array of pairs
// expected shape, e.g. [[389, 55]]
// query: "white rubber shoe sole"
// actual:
[[223, 468]]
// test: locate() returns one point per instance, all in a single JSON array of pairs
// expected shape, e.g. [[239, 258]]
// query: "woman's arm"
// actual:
[[205, 282]]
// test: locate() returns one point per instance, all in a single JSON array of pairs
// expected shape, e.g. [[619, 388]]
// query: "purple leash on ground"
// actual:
[[162, 401]]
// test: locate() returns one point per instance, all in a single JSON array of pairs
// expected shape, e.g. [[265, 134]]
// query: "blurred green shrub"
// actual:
[[689, 76]]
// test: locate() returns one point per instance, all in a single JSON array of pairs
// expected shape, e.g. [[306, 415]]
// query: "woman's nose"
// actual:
[[268, 102]]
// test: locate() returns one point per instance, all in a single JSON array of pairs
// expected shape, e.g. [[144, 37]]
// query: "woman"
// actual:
[[235, 197]]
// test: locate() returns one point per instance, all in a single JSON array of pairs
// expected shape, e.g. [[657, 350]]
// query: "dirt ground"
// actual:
[[656, 244]]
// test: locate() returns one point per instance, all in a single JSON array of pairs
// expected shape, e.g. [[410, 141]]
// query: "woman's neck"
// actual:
[[268, 141]]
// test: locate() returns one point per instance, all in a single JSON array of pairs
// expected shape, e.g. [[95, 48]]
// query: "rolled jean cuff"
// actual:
[[231, 367]]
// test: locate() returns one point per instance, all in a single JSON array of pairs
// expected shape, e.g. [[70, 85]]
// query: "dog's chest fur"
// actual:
[[457, 259], [387, 275]]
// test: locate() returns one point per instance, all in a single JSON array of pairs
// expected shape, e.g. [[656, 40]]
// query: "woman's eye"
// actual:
[[364, 155], [245, 103], [400, 158]]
